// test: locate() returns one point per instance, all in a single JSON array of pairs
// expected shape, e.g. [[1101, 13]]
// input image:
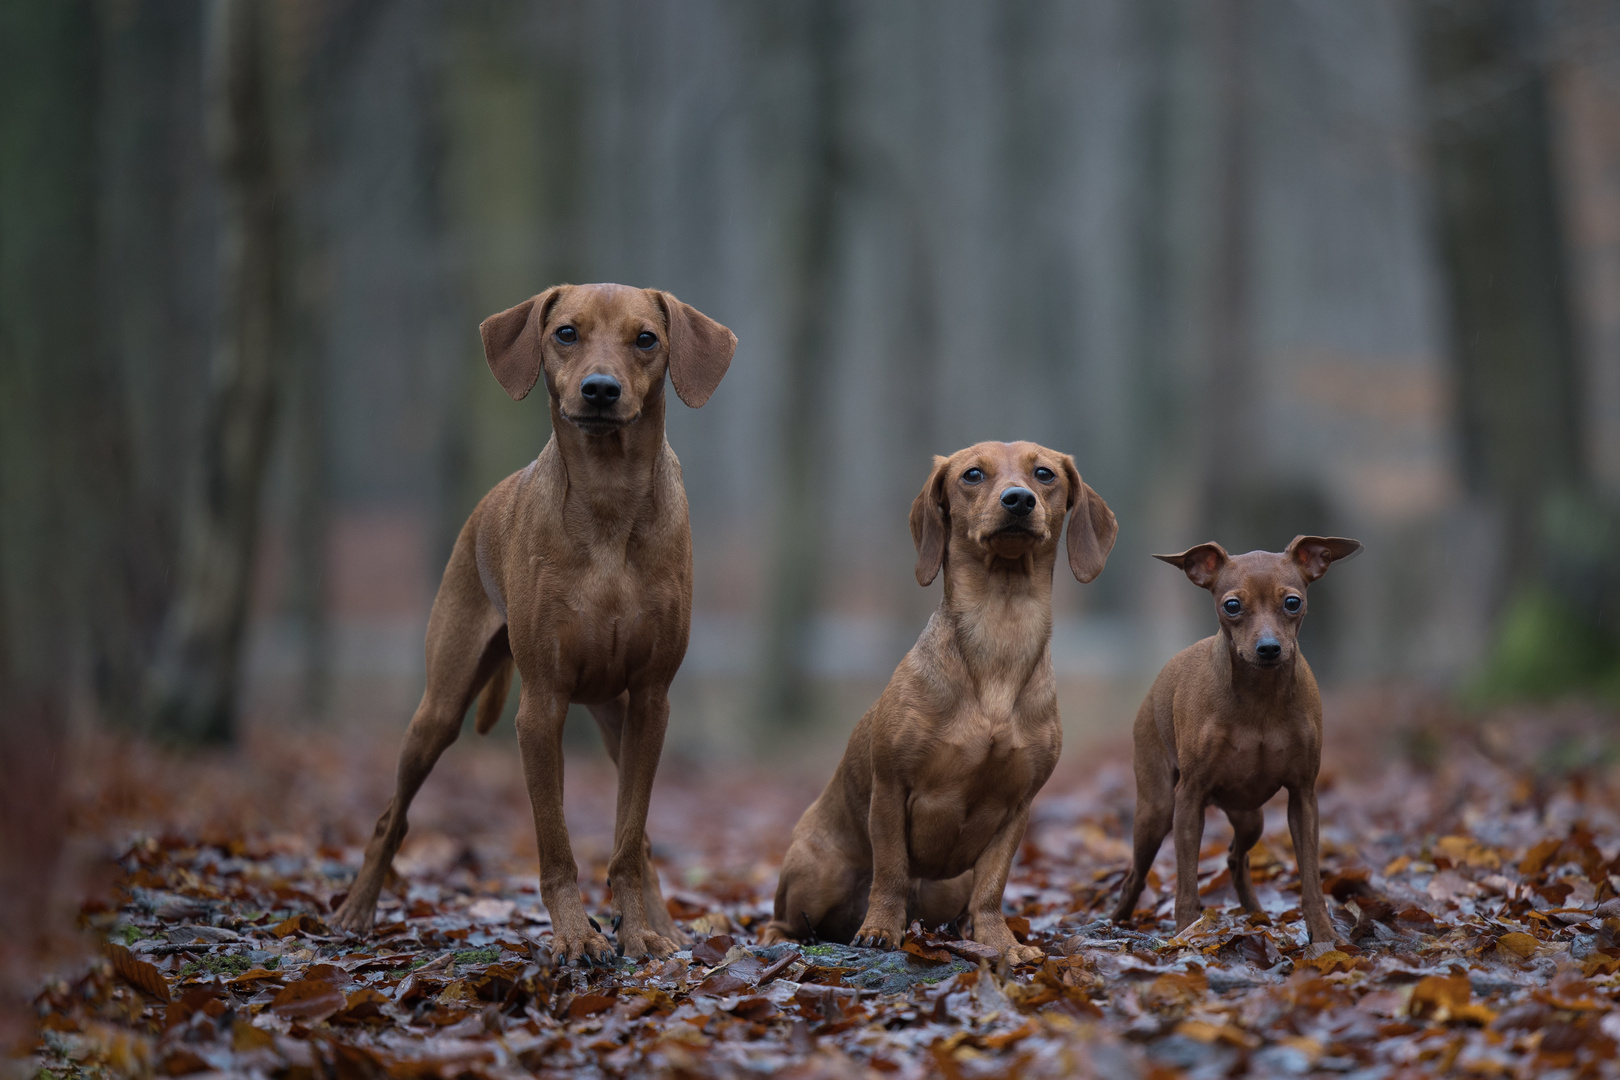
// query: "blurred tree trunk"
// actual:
[[192, 692], [1502, 252], [47, 335], [796, 572]]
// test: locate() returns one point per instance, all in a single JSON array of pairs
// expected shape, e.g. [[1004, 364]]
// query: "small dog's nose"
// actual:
[[600, 390], [1268, 650], [1018, 501]]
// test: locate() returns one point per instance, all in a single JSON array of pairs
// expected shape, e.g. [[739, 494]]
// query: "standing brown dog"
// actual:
[[927, 809], [578, 570], [1231, 721]]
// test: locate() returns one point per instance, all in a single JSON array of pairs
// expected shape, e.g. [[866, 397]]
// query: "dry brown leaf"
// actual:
[[137, 972], [1519, 945], [308, 1000]]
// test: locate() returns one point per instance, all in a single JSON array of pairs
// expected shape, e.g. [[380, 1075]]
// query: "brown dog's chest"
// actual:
[[1246, 763], [967, 786]]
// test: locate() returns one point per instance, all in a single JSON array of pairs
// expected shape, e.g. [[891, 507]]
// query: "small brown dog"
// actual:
[[578, 571], [1232, 720], [925, 813]]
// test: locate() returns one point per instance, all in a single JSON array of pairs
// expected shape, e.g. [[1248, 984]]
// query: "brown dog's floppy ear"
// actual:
[[1092, 527], [700, 350], [928, 526], [1314, 554], [1200, 563], [512, 343]]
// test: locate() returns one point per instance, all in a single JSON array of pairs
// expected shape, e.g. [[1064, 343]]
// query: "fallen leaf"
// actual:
[[1522, 946], [308, 1000], [972, 950], [137, 972]]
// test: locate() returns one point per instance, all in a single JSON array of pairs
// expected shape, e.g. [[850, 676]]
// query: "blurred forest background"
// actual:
[[1264, 267]]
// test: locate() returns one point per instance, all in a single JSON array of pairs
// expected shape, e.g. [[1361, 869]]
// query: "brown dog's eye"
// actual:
[[567, 335], [1291, 605], [1045, 475], [646, 340], [1233, 606], [973, 476]]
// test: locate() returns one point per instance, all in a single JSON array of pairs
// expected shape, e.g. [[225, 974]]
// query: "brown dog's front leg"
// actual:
[[1189, 834], [641, 741], [539, 732], [1303, 826], [884, 925], [990, 884]]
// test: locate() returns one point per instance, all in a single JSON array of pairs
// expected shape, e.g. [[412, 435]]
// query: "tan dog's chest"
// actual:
[[972, 780]]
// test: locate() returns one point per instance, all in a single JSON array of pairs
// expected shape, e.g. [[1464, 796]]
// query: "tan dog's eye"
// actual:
[[1045, 475], [973, 476], [646, 339], [567, 335], [1233, 606]]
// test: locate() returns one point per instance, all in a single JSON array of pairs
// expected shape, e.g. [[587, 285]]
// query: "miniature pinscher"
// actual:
[[1232, 720]]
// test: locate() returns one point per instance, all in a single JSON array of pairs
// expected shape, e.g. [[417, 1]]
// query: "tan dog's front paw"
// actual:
[[570, 946], [875, 935], [639, 944], [995, 933], [357, 915], [1024, 954]]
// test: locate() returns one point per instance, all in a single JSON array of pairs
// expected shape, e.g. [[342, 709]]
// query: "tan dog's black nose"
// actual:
[[599, 390], [1018, 501]]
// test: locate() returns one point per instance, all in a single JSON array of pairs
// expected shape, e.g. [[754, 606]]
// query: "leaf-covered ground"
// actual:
[[1473, 873]]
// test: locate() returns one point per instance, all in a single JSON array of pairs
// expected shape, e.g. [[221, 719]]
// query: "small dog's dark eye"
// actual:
[[973, 476], [1233, 606], [1045, 475], [1291, 604], [567, 335], [646, 339]]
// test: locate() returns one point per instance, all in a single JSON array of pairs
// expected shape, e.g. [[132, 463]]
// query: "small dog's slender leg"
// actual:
[[539, 732], [1189, 833], [1247, 825], [1303, 825], [641, 742], [1152, 825], [609, 719], [990, 884]]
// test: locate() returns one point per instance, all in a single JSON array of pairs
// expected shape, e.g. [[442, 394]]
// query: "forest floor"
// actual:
[[1472, 868]]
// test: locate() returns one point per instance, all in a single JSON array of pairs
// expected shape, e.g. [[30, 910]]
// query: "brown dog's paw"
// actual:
[[1024, 954], [773, 934], [649, 944], [355, 917], [872, 936], [587, 945]]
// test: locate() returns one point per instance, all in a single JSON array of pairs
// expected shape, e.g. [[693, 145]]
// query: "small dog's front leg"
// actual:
[[884, 925], [1189, 833], [641, 741], [990, 884], [1303, 826], [539, 730]]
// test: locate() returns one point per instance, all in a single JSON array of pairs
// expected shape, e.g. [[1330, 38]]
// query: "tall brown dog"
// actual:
[[927, 809], [1232, 720], [578, 570]]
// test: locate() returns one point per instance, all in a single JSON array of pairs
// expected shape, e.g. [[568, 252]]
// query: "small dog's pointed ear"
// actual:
[[512, 342], [700, 350], [1200, 563], [928, 524], [1092, 527], [1314, 554]]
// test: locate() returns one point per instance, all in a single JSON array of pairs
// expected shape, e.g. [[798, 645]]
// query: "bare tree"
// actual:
[[191, 695]]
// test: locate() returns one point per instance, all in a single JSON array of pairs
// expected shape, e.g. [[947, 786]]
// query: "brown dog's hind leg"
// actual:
[[1155, 814], [461, 655], [1247, 825], [609, 719]]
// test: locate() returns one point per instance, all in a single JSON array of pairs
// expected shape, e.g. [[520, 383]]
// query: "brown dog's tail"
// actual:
[[493, 698]]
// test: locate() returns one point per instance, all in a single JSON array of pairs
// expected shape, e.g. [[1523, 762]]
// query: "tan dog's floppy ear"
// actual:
[[1200, 563], [700, 350], [1314, 554], [512, 343], [1092, 527], [928, 526]]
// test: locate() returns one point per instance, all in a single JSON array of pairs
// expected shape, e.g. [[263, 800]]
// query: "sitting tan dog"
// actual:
[[927, 809]]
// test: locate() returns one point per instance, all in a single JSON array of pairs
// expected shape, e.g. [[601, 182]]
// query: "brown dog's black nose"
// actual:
[[1268, 650], [599, 390], [1018, 501]]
